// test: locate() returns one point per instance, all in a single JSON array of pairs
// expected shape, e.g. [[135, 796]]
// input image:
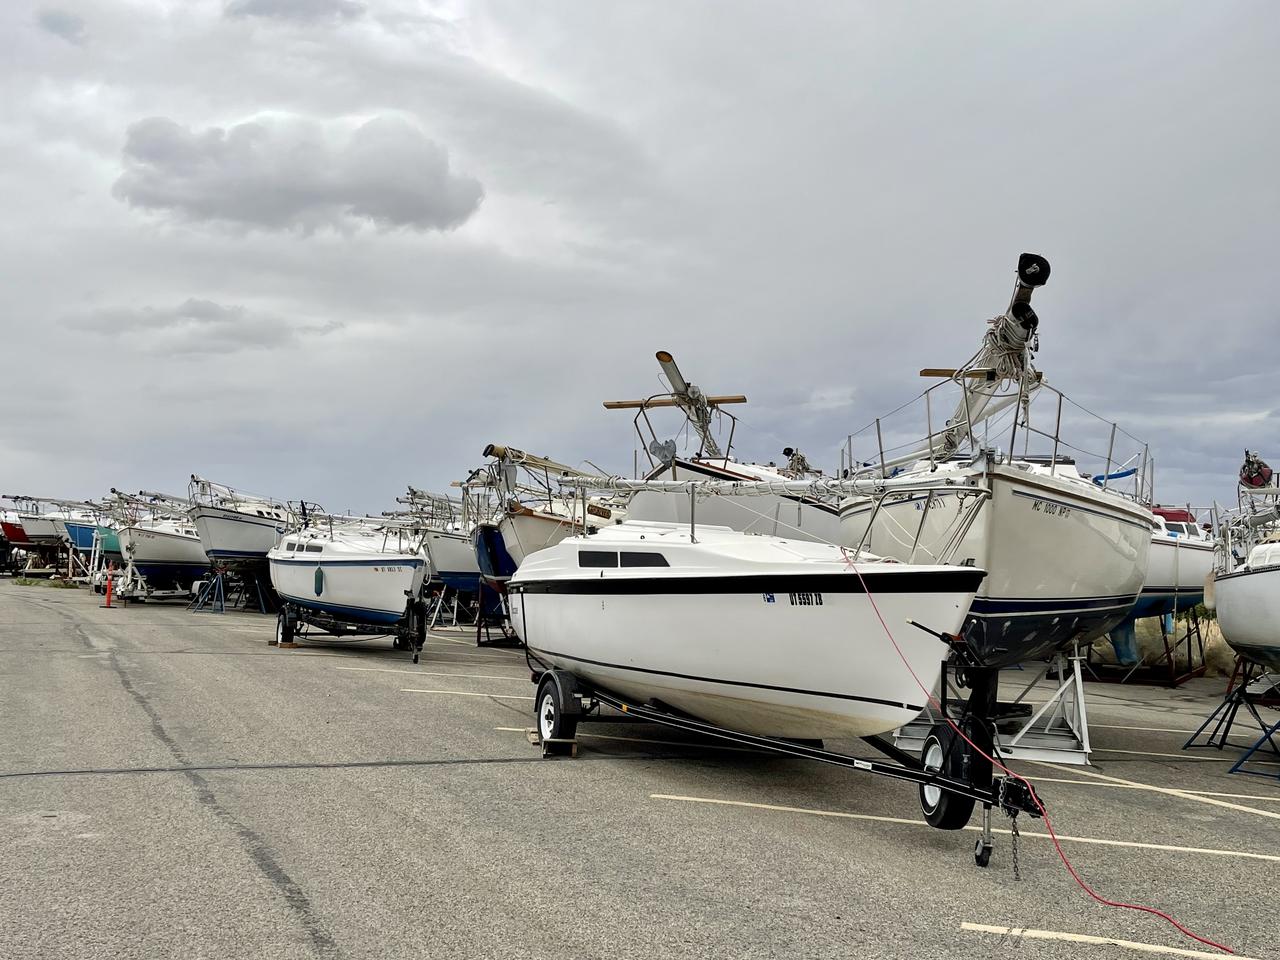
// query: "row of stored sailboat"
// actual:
[[1008, 554]]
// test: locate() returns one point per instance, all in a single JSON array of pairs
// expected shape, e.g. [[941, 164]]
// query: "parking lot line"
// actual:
[[1097, 841], [1022, 933]]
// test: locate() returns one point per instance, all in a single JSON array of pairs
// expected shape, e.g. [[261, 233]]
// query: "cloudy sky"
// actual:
[[326, 248]]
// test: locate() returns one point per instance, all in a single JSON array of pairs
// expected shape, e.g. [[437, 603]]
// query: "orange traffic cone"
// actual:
[[110, 578]]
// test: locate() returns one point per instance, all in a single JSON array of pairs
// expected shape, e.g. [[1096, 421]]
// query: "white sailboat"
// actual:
[[531, 512], [1246, 586], [236, 528], [354, 570], [754, 633], [1066, 553]]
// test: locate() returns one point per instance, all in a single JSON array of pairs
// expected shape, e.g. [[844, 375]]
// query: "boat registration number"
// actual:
[[1049, 508], [797, 599]]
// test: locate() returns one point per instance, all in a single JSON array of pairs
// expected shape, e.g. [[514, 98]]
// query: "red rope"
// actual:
[[1043, 813]]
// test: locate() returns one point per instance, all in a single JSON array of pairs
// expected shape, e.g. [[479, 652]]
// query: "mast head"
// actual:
[[1033, 270]]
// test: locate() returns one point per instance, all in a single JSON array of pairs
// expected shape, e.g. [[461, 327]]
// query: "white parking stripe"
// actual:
[[1020, 933], [496, 696], [425, 673], [1098, 841], [1169, 791]]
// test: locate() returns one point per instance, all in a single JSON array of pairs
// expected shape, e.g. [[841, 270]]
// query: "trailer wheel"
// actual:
[[942, 754], [550, 715], [284, 628]]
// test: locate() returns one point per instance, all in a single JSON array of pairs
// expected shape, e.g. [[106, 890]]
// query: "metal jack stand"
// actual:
[[1057, 732], [213, 595], [1255, 689], [1162, 670]]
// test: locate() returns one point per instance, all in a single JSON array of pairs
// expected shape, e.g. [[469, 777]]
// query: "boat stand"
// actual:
[[1056, 732], [1255, 689], [1162, 670]]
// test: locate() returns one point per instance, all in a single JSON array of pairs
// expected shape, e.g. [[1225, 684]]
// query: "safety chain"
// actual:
[[1012, 813], [1013, 830]]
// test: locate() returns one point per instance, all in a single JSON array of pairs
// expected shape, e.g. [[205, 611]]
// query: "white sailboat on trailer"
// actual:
[[350, 577], [765, 641], [775, 637]]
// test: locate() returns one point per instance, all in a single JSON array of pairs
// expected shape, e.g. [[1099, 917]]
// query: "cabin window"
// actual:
[[597, 558], [637, 559], [290, 547], [313, 548]]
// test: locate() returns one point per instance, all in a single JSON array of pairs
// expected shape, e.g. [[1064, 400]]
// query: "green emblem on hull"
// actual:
[[319, 581]]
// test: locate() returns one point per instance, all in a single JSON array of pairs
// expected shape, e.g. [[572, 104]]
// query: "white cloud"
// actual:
[[286, 172]]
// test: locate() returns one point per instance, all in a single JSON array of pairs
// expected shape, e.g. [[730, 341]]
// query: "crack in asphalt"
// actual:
[[254, 845]]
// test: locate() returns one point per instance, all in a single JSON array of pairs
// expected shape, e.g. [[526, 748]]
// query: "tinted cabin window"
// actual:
[[312, 548], [597, 558], [644, 560], [291, 546]]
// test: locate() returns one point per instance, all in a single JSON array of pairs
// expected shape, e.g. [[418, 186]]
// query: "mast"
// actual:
[[695, 404]]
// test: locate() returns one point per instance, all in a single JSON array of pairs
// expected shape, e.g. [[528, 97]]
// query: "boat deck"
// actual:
[[170, 785]]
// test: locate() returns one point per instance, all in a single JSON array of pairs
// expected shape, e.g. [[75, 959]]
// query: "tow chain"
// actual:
[[1012, 813]]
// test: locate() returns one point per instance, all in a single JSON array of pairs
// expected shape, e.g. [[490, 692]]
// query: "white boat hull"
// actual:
[[1176, 572], [230, 536], [359, 590], [453, 560], [1062, 563], [526, 533], [758, 634], [1248, 609], [163, 557]]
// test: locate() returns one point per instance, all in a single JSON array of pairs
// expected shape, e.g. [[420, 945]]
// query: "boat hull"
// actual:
[[368, 591], [42, 531], [529, 532], [755, 654], [453, 561], [80, 534], [1176, 572], [234, 537], [1062, 563], [164, 559], [1248, 609], [495, 560], [15, 534]]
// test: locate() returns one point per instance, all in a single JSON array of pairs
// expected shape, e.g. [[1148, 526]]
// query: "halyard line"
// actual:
[[1097, 841]]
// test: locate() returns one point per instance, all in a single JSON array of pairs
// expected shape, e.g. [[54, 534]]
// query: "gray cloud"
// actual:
[[63, 23], [193, 327], [283, 173], [306, 11]]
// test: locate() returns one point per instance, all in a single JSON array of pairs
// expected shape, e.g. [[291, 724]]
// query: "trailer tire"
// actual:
[[284, 628], [549, 713], [943, 754]]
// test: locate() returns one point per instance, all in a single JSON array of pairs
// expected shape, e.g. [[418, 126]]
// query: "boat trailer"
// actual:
[[952, 776], [296, 622]]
